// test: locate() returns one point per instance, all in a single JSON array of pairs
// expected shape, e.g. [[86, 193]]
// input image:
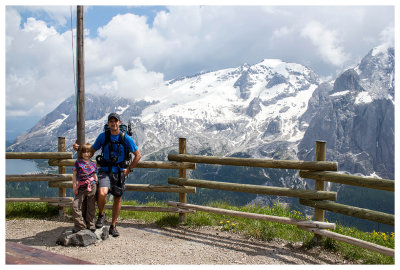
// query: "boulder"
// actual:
[[82, 238]]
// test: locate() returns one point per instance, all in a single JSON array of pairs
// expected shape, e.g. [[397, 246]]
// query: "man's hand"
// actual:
[[75, 146], [126, 172]]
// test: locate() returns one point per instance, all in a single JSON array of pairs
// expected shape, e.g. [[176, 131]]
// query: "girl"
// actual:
[[84, 180]]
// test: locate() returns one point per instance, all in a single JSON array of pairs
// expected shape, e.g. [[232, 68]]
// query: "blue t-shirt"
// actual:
[[118, 150]]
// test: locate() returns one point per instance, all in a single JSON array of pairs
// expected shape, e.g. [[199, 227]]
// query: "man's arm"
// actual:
[[135, 161], [133, 164]]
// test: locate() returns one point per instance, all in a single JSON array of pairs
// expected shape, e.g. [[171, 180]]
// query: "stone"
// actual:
[[102, 233], [65, 238], [82, 238]]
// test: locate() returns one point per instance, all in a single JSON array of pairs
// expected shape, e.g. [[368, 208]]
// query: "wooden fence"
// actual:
[[319, 170], [62, 181]]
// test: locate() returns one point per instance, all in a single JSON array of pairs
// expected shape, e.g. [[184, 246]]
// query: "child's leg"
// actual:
[[84, 207], [77, 211], [91, 208]]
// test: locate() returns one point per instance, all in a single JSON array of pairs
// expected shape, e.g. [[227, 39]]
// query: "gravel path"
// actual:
[[148, 244]]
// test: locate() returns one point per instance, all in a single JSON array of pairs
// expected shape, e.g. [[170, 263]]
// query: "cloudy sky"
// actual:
[[130, 49]]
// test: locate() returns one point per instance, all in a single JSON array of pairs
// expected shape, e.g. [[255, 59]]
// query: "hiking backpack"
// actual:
[[123, 130]]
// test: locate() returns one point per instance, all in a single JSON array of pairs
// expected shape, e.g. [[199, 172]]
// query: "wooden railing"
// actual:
[[319, 199], [62, 181]]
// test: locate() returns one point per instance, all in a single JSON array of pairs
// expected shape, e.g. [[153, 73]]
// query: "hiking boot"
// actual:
[[100, 220], [113, 231]]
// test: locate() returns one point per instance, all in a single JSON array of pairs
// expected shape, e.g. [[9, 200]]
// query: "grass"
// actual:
[[262, 230]]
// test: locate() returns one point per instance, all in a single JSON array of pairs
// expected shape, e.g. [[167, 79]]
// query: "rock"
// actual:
[[82, 238], [65, 238], [102, 233]]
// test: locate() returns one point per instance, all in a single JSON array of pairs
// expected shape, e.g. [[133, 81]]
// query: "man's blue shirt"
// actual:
[[118, 150]]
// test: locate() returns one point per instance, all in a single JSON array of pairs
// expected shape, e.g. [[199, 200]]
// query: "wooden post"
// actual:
[[62, 192], [80, 95], [182, 174], [319, 214]]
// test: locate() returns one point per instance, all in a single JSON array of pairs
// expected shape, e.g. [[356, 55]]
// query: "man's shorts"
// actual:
[[114, 186]]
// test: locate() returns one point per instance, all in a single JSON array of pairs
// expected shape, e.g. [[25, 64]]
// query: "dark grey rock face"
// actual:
[[356, 119], [348, 80], [276, 79], [273, 127], [254, 107], [244, 84]]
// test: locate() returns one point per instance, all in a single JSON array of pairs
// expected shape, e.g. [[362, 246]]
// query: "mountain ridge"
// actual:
[[256, 109]]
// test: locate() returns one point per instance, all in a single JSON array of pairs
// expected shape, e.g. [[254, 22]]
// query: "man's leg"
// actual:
[[103, 186], [116, 207], [115, 213], [116, 210], [102, 199]]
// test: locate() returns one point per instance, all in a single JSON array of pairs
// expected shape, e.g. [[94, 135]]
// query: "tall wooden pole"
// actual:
[[80, 95]]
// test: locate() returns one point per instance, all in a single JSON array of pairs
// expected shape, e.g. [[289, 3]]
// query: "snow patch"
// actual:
[[120, 110], [57, 123], [380, 49], [363, 98], [341, 93]]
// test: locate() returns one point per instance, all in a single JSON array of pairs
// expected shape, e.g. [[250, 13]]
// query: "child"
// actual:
[[84, 180]]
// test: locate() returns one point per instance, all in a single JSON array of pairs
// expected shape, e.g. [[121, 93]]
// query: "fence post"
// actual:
[[319, 214], [182, 174], [62, 192]]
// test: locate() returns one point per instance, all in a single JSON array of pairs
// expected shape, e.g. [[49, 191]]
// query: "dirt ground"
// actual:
[[148, 244]]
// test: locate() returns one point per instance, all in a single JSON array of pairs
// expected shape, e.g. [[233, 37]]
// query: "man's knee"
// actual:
[[102, 192]]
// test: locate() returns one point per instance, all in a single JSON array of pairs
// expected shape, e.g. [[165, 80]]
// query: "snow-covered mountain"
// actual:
[[355, 116], [227, 111], [272, 109]]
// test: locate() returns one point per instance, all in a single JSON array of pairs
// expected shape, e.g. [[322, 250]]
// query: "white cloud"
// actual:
[[39, 29], [136, 82], [327, 43], [38, 66], [387, 36], [128, 53]]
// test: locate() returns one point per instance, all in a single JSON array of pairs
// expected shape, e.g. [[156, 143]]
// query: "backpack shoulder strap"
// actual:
[[107, 139], [122, 138]]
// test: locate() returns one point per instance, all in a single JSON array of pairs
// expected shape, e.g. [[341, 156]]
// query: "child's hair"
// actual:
[[83, 149]]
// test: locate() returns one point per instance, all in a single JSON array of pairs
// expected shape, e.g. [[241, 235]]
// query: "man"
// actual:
[[114, 179]]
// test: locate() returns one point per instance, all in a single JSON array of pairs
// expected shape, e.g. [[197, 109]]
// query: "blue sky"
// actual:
[[129, 49]]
